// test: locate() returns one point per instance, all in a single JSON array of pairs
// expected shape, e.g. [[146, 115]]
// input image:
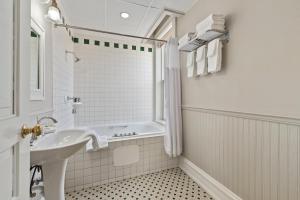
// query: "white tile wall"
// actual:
[[90, 169], [63, 67], [114, 84]]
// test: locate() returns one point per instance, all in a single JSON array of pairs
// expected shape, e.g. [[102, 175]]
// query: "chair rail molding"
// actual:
[[251, 116]]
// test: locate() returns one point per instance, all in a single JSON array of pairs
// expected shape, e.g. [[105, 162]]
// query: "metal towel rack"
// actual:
[[210, 35]]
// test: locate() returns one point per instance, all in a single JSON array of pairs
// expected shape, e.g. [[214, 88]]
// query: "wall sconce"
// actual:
[[54, 12]]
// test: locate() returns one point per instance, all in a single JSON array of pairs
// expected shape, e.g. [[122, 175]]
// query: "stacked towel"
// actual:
[[96, 142], [212, 22], [190, 64], [185, 39], [214, 55], [201, 60]]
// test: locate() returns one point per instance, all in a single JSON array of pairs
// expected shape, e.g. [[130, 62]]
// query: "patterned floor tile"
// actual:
[[171, 184]]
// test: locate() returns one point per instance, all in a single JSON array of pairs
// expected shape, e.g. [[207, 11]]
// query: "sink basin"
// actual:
[[57, 146], [52, 152]]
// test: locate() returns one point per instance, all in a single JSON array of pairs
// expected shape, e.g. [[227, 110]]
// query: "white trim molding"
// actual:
[[38, 94], [212, 186], [267, 118]]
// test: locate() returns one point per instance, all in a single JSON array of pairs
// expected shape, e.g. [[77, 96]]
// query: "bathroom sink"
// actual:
[[57, 146], [52, 152]]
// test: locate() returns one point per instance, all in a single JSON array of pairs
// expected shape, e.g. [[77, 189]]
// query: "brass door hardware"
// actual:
[[36, 130]]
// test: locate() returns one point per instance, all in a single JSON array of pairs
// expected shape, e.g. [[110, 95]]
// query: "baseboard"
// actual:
[[212, 186]]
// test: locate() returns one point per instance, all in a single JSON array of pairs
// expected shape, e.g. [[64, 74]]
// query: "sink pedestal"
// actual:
[[52, 152], [54, 179]]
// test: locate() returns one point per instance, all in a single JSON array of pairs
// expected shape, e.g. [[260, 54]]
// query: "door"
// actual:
[[14, 98]]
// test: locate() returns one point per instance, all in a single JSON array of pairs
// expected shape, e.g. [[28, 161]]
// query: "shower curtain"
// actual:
[[173, 137]]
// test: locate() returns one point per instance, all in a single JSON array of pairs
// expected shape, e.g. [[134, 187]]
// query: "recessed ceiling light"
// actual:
[[124, 15]]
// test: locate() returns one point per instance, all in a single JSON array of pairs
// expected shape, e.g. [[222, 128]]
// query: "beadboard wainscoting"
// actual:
[[87, 169], [256, 157]]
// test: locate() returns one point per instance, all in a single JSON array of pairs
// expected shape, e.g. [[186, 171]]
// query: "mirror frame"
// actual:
[[39, 94]]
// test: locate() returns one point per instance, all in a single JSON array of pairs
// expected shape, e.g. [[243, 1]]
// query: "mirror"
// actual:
[[37, 61]]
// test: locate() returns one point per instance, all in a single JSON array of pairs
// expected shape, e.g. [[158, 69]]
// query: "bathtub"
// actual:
[[118, 132], [108, 167]]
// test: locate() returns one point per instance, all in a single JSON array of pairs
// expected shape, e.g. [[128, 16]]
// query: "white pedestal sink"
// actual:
[[52, 152]]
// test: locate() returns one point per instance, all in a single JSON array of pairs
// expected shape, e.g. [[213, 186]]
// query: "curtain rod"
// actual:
[[106, 32]]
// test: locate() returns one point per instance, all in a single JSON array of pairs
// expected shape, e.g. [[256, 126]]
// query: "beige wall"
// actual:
[[255, 157], [261, 62]]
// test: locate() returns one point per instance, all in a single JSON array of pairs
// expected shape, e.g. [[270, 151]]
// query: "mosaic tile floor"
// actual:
[[171, 184]]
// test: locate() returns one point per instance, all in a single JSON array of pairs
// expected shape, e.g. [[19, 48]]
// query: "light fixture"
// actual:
[[124, 15], [54, 12]]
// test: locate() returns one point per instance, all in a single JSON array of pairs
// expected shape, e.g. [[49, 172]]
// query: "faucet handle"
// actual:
[[36, 130]]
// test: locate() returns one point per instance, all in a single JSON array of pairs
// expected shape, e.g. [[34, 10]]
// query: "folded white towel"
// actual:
[[190, 64], [207, 24], [217, 27], [214, 55], [185, 42], [209, 35], [187, 37], [190, 59], [96, 142], [201, 60], [212, 22], [215, 16], [202, 31], [190, 72], [189, 45], [212, 19]]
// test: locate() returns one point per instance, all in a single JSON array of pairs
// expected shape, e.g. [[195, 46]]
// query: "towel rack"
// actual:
[[210, 35]]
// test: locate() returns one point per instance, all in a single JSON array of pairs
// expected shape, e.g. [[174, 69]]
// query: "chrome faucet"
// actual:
[[46, 117], [49, 129], [42, 129]]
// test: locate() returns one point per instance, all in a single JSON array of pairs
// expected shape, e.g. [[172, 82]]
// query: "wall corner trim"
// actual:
[[212, 186]]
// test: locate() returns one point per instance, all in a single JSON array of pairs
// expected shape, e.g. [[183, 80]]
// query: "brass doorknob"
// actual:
[[36, 130]]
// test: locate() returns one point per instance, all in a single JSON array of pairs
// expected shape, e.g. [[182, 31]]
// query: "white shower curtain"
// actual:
[[173, 137]]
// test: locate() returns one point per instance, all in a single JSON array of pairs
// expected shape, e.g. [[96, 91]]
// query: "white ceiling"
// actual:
[[105, 14]]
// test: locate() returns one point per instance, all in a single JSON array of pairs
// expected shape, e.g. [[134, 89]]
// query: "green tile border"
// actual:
[[33, 34], [97, 43], [86, 41], [115, 45], [76, 40]]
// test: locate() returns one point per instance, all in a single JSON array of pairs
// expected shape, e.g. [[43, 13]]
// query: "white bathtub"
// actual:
[[119, 132]]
